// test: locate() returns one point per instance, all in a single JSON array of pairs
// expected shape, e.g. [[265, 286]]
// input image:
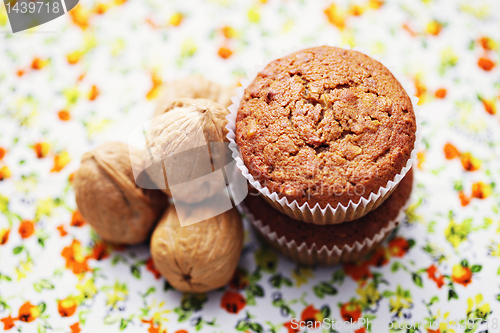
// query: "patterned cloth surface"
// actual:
[[93, 75]]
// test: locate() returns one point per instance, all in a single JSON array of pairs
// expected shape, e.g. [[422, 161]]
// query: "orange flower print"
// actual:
[[38, 63], [157, 82], [60, 161], [421, 89], [487, 43], [75, 328], [481, 190], [335, 16], [469, 162], [28, 312], [74, 57], [240, 280], [440, 93], [485, 64], [5, 173], [41, 149], [2, 153], [77, 219], [26, 228], [232, 302], [358, 270], [67, 307], [94, 93], [8, 322], [289, 327], [100, 251], [489, 105], [64, 115], [150, 266], [362, 329], [379, 257], [450, 151], [350, 311], [225, 52], [420, 159], [312, 316], [464, 199], [62, 231], [228, 32], [152, 328], [398, 247], [461, 274], [434, 28], [4, 236], [80, 16], [435, 276], [75, 260]]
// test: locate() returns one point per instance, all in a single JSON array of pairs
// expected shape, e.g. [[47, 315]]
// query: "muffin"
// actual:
[[329, 244], [326, 128]]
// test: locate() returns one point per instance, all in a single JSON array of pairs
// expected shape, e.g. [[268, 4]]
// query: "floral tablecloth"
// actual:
[[93, 75]]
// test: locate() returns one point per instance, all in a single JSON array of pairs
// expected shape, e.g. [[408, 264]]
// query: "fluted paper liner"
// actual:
[[313, 255], [317, 214]]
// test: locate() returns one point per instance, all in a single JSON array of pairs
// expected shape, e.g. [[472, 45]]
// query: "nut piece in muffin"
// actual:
[[314, 244], [325, 126], [109, 199]]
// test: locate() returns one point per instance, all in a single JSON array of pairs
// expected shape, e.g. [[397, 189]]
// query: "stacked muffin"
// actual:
[[325, 135]]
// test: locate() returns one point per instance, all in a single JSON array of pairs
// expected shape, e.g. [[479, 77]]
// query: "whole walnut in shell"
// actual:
[[183, 144], [195, 86], [108, 198], [199, 257]]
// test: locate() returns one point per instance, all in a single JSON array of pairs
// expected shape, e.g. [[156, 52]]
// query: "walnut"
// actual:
[[183, 144], [108, 198], [199, 257], [195, 86]]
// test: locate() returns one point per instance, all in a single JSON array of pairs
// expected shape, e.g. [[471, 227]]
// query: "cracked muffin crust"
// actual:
[[325, 126]]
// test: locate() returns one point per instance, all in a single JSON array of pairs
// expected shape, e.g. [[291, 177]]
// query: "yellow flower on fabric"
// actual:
[[188, 48], [457, 233], [369, 294], [4, 204], [176, 19], [45, 207], [25, 266], [159, 313], [116, 294], [482, 310], [86, 290], [254, 14], [96, 126], [302, 274], [3, 17], [71, 95], [5, 173]]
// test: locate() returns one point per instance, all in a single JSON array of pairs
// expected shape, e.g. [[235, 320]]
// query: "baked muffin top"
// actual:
[[337, 234], [325, 125]]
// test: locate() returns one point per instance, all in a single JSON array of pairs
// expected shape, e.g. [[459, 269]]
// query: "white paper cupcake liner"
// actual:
[[317, 214], [315, 255]]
